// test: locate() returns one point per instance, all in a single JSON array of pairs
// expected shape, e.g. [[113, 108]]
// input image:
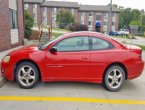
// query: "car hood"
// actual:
[[25, 49]]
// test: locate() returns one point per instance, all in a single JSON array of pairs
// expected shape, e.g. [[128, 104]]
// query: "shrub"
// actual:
[[65, 18], [29, 21], [78, 27]]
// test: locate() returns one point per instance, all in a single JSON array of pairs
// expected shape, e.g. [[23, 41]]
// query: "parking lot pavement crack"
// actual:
[[109, 101]]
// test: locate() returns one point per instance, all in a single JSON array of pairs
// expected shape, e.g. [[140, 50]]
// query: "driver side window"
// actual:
[[73, 44]]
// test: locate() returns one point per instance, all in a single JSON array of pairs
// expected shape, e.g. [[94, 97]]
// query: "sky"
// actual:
[[137, 4]]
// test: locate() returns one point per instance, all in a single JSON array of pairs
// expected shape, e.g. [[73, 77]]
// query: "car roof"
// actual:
[[87, 33]]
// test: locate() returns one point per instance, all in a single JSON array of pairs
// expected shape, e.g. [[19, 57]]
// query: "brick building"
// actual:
[[90, 15], [12, 23]]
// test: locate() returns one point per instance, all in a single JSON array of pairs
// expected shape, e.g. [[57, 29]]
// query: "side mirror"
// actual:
[[53, 50]]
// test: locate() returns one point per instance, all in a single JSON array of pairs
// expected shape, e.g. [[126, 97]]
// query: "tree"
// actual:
[[65, 18], [29, 21], [115, 5], [135, 23], [130, 16], [124, 17]]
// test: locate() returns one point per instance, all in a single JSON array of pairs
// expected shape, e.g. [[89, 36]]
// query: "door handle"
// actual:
[[84, 58]]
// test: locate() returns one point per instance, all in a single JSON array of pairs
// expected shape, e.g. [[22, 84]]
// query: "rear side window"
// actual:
[[100, 44]]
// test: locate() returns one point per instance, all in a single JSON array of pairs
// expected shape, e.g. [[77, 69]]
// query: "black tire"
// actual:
[[107, 80], [34, 72]]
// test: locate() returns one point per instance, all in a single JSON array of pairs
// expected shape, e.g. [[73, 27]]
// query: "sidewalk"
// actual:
[[2, 54]]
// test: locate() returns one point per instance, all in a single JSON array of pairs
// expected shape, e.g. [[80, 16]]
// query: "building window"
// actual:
[[105, 17], [90, 23], [98, 17], [54, 24], [13, 19], [44, 9], [113, 14], [35, 19], [44, 21], [105, 23], [26, 6], [54, 10], [82, 14], [90, 14], [82, 22], [113, 23], [54, 19], [35, 5], [72, 11]]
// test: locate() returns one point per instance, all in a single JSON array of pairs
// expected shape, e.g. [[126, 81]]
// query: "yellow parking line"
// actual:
[[71, 99]]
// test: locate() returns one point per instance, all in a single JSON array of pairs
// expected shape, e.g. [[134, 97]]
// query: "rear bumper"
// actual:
[[135, 70]]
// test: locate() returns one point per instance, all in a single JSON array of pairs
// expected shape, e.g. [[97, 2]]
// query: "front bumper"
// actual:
[[7, 71]]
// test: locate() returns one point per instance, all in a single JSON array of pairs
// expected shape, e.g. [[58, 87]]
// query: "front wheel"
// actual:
[[27, 75], [114, 78]]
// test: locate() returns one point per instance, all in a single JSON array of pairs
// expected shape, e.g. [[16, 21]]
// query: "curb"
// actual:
[[2, 81]]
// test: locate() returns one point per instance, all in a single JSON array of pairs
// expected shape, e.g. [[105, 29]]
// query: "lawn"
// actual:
[[141, 46], [55, 35], [58, 29]]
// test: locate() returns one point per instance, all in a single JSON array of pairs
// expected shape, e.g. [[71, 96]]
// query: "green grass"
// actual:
[[58, 29], [141, 46], [55, 35], [120, 37]]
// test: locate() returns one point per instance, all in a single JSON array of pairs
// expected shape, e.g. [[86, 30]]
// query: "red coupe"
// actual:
[[80, 56]]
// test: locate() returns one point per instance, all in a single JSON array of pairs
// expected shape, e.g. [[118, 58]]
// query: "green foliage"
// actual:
[[135, 23], [65, 18], [130, 16], [29, 21], [124, 17], [78, 27]]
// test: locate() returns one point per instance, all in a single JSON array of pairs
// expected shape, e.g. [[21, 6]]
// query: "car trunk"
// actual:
[[135, 49]]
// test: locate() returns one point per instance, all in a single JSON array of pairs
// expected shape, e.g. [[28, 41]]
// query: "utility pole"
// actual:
[[142, 13], [109, 18]]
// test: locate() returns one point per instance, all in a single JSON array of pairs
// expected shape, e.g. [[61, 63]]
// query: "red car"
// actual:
[[80, 56]]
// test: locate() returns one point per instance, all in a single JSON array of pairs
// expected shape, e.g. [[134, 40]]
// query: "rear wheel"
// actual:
[[114, 78], [27, 75]]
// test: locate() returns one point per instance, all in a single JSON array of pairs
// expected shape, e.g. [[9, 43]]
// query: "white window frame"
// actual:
[[35, 6], [14, 35], [26, 6]]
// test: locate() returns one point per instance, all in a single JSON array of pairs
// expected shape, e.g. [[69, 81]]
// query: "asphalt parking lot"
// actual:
[[74, 96]]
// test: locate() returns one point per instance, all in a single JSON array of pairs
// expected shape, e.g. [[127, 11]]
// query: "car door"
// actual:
[[70, 61]]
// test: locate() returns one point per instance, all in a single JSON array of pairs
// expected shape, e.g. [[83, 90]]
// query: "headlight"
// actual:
[[6, 59]]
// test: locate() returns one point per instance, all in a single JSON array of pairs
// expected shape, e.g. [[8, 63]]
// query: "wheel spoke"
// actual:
[[29, 70], [117, 83], [110, 77], [119, 76], [31, 77], [27, 82], [21, 78], [112, 83], [23, 70], [115, 72]]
